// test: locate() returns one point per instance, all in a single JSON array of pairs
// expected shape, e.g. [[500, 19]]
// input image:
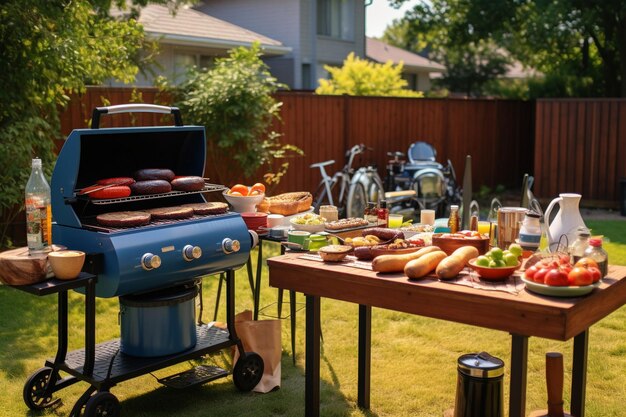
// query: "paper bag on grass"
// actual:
[[262, 337]]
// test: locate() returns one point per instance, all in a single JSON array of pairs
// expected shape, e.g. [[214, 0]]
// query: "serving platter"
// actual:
[[559, 291]]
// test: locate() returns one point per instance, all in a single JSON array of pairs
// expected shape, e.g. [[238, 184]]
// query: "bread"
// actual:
[[151, 187], [287, 203], [163, 213], [124, 219], [348, 223], [188, 183], [208, 208]]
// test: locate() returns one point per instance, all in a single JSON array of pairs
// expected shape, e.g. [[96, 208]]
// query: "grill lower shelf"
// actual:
[[194, 376], [113, 366]]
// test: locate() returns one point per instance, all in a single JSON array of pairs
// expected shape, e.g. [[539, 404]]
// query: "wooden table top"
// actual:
[[525, 313]]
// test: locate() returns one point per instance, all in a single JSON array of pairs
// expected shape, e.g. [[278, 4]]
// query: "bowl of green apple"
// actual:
[[497, 264]]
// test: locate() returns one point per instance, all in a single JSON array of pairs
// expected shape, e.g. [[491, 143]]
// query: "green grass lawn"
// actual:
[[413, 358]]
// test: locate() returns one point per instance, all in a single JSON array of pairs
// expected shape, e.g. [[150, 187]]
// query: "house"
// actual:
[[190, 37], [319, 32], [299, 37], [417, 70]]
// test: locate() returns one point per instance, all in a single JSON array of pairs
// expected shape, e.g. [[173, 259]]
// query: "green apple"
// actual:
[[510, 259], [495, 253], [482, 261], [515, 249]]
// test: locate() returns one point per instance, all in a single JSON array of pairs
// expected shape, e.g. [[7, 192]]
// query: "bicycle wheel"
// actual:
[[356, 200], [320, 197]]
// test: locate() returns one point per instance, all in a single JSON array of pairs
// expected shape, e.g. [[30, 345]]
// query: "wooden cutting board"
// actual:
[[18, 267]]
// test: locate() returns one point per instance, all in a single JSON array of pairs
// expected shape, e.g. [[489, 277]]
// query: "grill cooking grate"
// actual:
[[91, 223], [207, 188]]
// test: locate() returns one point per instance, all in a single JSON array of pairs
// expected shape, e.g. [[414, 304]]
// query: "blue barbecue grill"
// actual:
[[155, 269]]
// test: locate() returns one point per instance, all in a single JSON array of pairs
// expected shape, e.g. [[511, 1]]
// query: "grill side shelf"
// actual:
[[208, 188]]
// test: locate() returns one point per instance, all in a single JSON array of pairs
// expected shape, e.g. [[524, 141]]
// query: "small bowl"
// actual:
[[66, 264], [334, 253], [243, 204], [493, 274]]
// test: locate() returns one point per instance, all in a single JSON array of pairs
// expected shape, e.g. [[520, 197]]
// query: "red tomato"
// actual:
[[595, 273], [564, 260], [566, 268], [587, 263], [556, 278], [540, 275], [238, 188], [530, 272], [258, 187], [580, 276]]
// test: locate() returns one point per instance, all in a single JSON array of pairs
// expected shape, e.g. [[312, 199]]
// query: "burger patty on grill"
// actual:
[[171, 212], [189, 183], [151, 187], [124, 219], [208, 208]]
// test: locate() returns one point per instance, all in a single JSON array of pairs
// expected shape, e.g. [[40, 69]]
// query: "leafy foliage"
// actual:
[[360, 77], [234, 101], [49, 50], [578, 45]]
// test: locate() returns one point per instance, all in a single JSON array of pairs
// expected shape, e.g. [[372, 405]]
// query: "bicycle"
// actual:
[[348, 189]]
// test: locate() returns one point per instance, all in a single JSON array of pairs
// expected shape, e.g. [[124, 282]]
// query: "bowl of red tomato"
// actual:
[[556, 276], [244, 199]]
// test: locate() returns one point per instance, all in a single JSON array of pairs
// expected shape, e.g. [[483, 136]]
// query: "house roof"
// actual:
[[193, 28], [379, 51]]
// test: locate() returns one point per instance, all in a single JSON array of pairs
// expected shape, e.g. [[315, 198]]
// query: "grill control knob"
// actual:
[[230, 245], [191, 252], [150, 261]]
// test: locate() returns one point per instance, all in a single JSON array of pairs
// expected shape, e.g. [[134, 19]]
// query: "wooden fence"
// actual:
[[497, 134], [581, 147]]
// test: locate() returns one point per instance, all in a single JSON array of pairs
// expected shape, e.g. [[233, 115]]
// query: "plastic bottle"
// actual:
[[530, 232], [38, 211], [595, 252], [577, 249], [453, 221], [383, 214]]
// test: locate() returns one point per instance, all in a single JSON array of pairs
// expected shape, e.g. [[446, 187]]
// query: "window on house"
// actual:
[[306, 77], [206, 61], [335, 18], [182, 63]]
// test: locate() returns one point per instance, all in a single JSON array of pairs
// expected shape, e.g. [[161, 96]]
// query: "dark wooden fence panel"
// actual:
[[580, 147], [498, 134]]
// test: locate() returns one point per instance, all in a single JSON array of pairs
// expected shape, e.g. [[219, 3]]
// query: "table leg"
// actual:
[[579, 374], [257, 285], [519, 361], [292, 313], [365, 354], [312, 358]]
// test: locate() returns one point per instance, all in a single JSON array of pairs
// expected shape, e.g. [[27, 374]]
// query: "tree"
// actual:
[[360, 77], [49, 50], [234, 101], [579, 45]]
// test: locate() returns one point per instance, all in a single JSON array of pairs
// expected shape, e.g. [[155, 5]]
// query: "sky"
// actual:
[[380, 14]]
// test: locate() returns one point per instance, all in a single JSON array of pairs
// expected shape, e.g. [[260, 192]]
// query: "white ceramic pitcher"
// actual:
[[566, 220]]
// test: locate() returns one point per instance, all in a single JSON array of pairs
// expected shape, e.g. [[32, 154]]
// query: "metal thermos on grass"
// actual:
[[479, 386]]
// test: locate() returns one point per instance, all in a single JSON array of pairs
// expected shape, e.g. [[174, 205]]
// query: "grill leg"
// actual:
[[230, 310], [219, 295]]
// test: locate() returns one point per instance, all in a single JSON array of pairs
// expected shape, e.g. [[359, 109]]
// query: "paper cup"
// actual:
[[275, 220]]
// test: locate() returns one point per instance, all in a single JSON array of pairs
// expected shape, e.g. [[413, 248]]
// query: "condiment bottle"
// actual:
[[38, 211], [383, 214], [453, 221], [595, 252], [577, 249], [474, 223], [330, 213], [530, 232]]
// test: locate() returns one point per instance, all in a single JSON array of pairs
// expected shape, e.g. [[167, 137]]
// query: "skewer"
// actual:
[[81, 192]]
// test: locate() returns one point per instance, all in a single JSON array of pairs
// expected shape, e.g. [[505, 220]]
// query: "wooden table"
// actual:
[[522, 315]]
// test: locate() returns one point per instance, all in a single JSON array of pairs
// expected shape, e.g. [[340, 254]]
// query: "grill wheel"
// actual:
[[248, 371], [34, 389], [102, 404]]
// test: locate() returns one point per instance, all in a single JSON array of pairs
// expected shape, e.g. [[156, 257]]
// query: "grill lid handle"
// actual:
[[134, 108]]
